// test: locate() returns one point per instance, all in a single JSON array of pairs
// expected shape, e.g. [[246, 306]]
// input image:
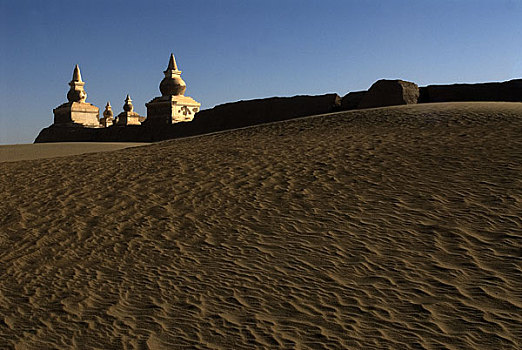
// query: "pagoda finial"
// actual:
[[172, 63], [76, 74], [76, 92], [128, 107]]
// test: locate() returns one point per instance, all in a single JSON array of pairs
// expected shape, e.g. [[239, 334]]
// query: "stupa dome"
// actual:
[[172, 84]]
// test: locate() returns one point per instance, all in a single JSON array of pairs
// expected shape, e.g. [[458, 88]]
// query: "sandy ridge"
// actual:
[[394, 227]]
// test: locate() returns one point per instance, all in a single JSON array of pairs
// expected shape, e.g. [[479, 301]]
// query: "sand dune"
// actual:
[[395, 228], [12, 153]]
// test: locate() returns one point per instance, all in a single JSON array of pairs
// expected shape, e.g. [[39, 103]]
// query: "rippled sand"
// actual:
[[11, 153], [390, 228]]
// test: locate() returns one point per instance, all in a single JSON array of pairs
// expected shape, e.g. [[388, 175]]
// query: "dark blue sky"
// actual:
[[233, 50]]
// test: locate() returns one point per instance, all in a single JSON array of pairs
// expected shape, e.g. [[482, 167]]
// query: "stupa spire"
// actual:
[[76, 92], [76, 74], [172, 63]]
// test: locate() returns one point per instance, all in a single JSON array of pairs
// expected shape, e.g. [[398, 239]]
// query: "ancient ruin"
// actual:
[[172, 106], [390, 93], [128, 116], [77, 112], [107, 119], [77, 120]]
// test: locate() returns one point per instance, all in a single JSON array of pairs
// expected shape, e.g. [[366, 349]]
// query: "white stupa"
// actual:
[[76, 112], [172, 106]]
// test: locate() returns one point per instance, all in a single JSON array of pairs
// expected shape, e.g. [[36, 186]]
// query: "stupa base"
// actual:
[[171, 109], [77, 114]]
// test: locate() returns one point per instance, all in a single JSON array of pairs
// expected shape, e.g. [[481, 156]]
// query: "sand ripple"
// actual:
[[390, 228]]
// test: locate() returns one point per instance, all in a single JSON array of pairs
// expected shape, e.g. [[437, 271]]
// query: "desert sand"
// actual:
[[11, 153], [396, 228]]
